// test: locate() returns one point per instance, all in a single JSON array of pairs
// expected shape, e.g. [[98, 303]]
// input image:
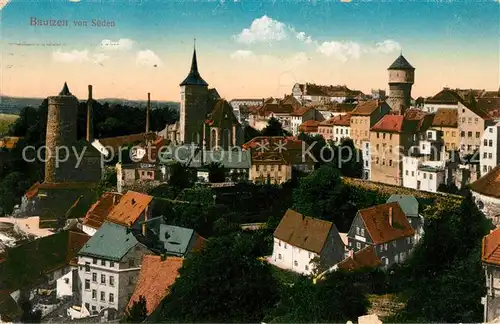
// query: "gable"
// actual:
[[359, 223]]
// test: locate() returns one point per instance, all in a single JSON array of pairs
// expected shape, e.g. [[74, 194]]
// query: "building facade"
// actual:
[[401, 79], [363, 117], [489, 152]]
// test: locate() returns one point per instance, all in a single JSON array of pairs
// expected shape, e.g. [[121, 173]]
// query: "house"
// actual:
[[390, 138], [423, 175], [363, 117], [275, 157], [51, 270], [310, 92], [303, 115], [157, 274], [329, 110], [325, 129], [471, 123], [259, 118], [98, 212], [342, 127], [237, 104], [444, 99], [387, 229], [113, 147], [109, 265], [299, 240], [486, 193], [490, 257], [446, 121], [131, 209], [309, 127], [364, 258], [409, 205], [178, 241], [489, 152]]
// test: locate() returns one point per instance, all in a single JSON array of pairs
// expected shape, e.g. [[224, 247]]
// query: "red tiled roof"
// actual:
[[76, 240], [364, 258], [129, 208], [390, 124], [9, 142], [489, 184], [328, 122], [100, 209], [446, 118], [155, 278], [300, 111], [377, 223], [309, 126], [304, 232], [490, 252], [367, 108], [32, 191], [343, 120]]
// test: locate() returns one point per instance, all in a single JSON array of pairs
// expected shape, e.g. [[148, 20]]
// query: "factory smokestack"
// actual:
[[147, 113], [89, 117]]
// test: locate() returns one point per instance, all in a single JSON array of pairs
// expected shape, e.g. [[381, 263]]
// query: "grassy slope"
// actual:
[[5, 121]]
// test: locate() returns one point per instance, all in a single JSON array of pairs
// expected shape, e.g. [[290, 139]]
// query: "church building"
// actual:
[[205, 118]]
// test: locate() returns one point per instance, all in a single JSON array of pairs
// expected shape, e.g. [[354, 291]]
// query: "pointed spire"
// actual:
[[65, 90], [194, 77]]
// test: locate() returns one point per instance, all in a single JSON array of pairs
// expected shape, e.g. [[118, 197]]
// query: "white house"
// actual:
[[423, 175], [445, 98], [490, 149], [367, 159], [109, 265], [342, 127], [486, 192], [299, 239]]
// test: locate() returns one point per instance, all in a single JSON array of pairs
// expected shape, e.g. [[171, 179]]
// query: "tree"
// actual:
[[29, 315], [216, 172], [181, 177], [223, 283], [335, 300], [138, 312], [250, 133], [108, 181], [351, 161], [12, 187], [274, 128]]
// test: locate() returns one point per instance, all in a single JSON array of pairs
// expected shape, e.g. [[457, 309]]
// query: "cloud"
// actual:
[[76, 56], [148, 58], [263, 29], [123, 44], [386, 47], [73, 56], [242, 55], [342, 51]]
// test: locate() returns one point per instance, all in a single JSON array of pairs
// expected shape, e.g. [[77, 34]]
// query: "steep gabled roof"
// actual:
[[129, 208], [445, 96], [100, 209], [446, 117], [401, 64], [179, 240], [478, 111], [489, 184], [490, 252], [222, 110], [110, 242], [367, 108], [376, 220], [342, 120], [309, 126], [303, 232], [155, 278], [364, 258]]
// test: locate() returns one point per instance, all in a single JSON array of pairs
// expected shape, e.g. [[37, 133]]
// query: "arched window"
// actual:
[[213, 138], [195, 138], [226, 139]]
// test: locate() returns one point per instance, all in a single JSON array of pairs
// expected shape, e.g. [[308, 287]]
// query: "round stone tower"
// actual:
[[61, 131], [401, 79]]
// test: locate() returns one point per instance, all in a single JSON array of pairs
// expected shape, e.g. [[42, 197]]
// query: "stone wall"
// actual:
[[489, 206]]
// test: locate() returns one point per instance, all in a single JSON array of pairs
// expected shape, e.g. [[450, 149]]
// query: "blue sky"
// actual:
[[458, 40]]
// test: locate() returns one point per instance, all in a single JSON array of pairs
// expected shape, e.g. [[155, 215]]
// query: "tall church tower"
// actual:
[[193, 109], [401, 79]]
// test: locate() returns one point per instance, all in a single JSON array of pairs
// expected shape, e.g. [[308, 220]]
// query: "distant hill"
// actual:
[[13, 105]]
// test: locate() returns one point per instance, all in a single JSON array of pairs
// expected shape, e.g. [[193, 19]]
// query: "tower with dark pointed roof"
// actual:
[[194, 105], [61, 132], [401, 79]]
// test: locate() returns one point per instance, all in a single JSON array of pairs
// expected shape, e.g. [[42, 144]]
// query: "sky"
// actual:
[[245, 48]]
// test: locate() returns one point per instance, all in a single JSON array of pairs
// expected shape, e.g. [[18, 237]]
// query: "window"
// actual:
[[103, 279], [478, 135], [131, 263], [358, 245], [295, 263], [103, 263], [413, 173], [94, 294], [66, 280], [111, 264], [285, 246], [357, 230], [87, 266], [485, 142], [490, 142], [111, 298], [390, 162], [490, 155], [87, 306], [279, 243], [469, 134], [430, 176], [94, 277], [484, 168], [462, 134], [383, 136], [390, 136], [385, 246], [94, 261], [485, 155], [425, 175], [491, 130], [103, 296], [406, 172], [87, 284], [396, 258], [306, 267], [362, 231], [279, 256], [309, 255]]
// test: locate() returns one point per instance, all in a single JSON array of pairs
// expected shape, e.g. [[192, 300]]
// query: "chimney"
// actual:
[[163, 257], [114, 199], [144, 229], [147, 112], [89, 116], [390, 216]]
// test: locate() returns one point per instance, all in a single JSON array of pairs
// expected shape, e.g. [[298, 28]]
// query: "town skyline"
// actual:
[[245, 49]]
